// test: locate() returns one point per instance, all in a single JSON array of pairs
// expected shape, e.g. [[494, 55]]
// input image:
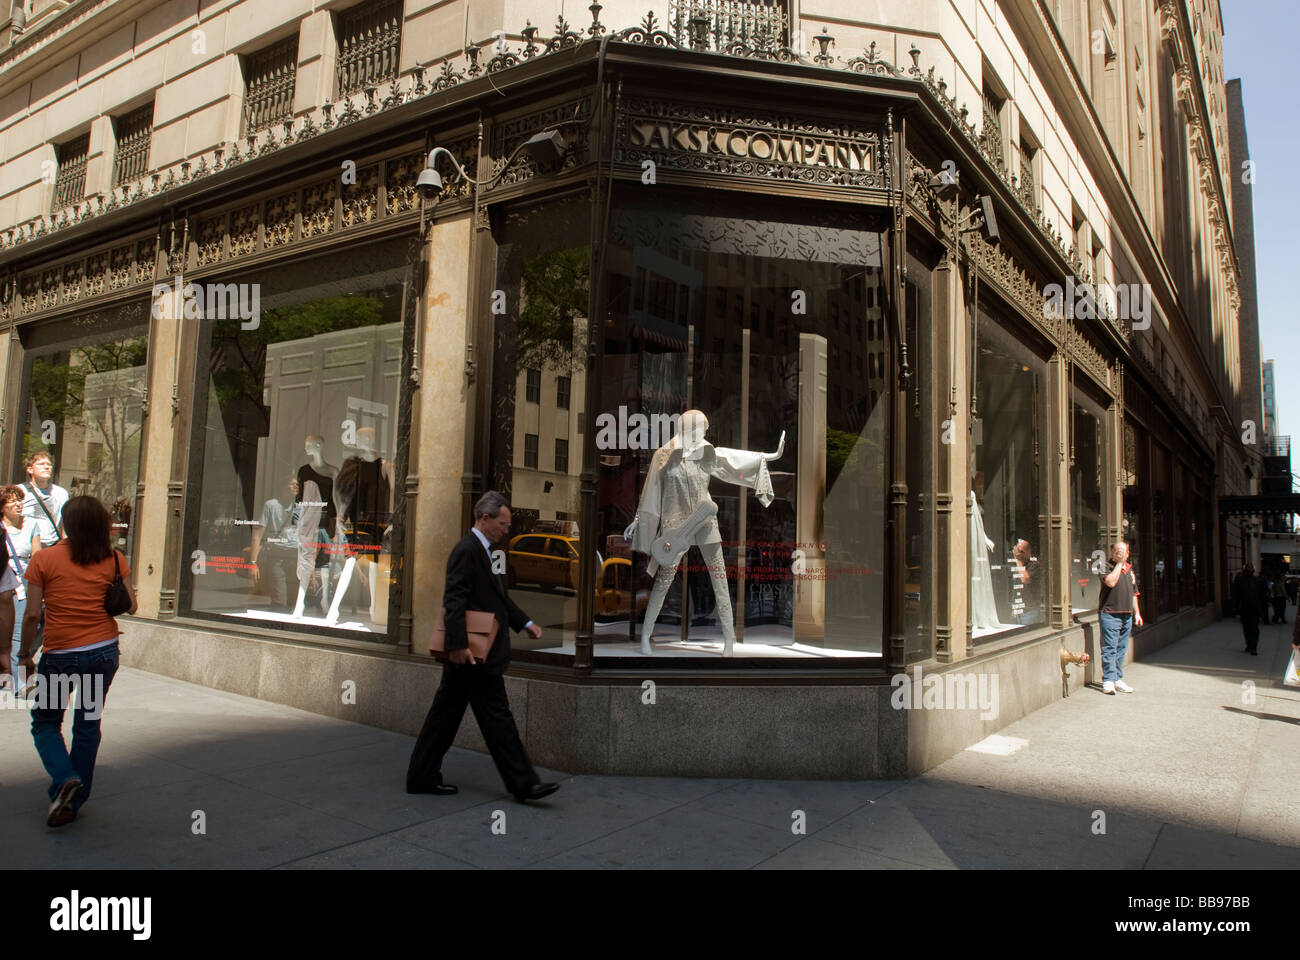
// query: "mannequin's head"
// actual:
[[366, 439], [314, 445], [692, 427]]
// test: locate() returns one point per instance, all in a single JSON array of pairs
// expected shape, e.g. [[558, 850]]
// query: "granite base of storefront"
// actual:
[[767, 730]]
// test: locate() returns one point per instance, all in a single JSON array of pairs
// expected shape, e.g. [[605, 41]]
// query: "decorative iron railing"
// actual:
[[717, 24], [268, 92], [1026, 184], [370, 38], [134, 133], [991, 135], [70, 181]]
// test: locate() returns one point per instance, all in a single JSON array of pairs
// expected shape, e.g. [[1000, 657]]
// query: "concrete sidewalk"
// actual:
[[1186, 774]]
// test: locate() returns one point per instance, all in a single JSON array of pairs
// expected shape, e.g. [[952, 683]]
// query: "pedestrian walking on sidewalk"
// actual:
[[21, 539], [1119, 614], [1279, 600], [70, 581], [473, 585], [1251, 598]]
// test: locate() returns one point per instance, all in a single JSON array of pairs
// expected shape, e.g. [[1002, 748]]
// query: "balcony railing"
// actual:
[[716, 24]]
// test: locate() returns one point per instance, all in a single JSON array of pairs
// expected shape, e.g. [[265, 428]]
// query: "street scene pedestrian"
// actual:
[[1118, 615], [1250, 598], [1279, 599], [472, 585], [21, 540], [69, 582]]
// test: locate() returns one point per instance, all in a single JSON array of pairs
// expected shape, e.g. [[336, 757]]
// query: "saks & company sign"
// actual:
[[765, 145]]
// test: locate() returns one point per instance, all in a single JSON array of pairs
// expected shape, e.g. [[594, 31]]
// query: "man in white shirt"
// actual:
[[43, 498]]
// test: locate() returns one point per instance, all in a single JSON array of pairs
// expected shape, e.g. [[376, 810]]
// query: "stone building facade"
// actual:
[[966, 274]]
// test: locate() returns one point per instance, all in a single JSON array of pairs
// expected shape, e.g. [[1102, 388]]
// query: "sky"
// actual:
[[1259, 47]]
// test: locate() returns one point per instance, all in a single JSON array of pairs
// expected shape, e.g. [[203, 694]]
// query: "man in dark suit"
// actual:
[[472, 585]]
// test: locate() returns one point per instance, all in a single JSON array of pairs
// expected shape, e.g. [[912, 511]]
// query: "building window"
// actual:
[[1009, 579], [1087, 518], [562, 385], [70, 181], [277, 484], [268, 87], [561, 456], [134, 132], [533, 390], [84, 383], [530, 451], [370, 37], [991, 135]]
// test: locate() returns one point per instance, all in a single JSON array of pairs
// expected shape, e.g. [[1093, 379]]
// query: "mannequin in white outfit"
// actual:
[[318, 512], [673, 510]]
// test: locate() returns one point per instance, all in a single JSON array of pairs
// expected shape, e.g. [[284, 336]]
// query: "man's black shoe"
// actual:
[[537, 791], [438, 789], [1254, 653]]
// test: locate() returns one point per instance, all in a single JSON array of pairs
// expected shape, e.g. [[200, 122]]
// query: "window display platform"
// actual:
[[346, 621], [707, 642]]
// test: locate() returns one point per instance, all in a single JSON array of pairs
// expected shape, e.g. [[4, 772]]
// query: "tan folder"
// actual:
[[480, 627]]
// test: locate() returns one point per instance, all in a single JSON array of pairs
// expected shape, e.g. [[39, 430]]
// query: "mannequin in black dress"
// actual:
[[364, 491], [318, 522]]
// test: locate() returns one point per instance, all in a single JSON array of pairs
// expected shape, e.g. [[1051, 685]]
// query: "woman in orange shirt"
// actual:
[[70, 580]]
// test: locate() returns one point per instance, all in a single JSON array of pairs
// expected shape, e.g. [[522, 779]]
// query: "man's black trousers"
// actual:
[[485, 694], [1250, 628]]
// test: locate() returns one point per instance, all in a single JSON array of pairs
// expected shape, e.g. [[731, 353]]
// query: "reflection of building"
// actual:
[[793, 266]]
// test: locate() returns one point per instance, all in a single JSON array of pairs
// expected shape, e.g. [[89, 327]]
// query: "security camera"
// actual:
[[429, 183]]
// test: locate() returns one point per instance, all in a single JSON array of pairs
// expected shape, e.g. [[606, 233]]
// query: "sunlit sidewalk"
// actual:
[[1185, 772]]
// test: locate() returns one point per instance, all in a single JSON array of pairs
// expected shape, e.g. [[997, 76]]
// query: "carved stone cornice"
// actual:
[[1200, 139]]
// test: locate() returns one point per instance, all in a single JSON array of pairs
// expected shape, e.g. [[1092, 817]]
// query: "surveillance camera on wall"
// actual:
[[429, 183]]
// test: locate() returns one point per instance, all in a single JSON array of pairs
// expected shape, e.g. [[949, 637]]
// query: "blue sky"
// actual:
[[1259, 47]]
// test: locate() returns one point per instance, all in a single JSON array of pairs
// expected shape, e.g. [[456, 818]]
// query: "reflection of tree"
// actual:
[[239, 356], [553, 294], [99, 388]]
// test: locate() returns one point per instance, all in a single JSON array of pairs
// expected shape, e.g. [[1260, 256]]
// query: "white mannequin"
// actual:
[[314, 447], [365, 451], [675, 487]]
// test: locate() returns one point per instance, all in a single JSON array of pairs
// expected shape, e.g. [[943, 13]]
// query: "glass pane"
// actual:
[[1086, 483], [1008, 566], [86, 380], [298, 439], [542, 267], [768, 328]]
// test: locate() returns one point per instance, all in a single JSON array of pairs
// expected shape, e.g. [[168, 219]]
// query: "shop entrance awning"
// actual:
[[1263, 504]]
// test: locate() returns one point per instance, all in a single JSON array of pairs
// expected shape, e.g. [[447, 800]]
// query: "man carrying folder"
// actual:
[[472, 680]]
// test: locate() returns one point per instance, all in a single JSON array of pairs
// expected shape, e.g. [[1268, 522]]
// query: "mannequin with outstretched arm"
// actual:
[[676, 512]]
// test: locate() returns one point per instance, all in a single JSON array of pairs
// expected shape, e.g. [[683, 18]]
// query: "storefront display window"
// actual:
[[743, 418], [85, 380], [539, 384], [1008, 565], [1087, 479], [299, 418]]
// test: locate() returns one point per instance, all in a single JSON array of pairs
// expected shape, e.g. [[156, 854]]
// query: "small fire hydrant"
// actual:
[[1068, 657]]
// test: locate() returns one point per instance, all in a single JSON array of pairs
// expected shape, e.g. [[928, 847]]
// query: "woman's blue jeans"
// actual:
[[93, 670]]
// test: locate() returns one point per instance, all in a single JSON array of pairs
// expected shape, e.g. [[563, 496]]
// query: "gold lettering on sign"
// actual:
[[837, 153]]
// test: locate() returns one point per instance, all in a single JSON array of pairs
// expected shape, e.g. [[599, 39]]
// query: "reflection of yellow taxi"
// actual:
[[613, 592], [546, 559]]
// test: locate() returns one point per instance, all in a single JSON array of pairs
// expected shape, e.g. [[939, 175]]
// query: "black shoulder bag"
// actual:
[[117, 599]]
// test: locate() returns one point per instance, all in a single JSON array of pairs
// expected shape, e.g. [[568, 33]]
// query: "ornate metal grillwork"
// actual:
[[991, 136], [134, 132], [719, 23], [1026, 184], [268, 93], [370, 37], [70, 181]]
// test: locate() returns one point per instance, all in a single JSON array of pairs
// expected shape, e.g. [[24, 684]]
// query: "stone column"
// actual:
[[439, 431]]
